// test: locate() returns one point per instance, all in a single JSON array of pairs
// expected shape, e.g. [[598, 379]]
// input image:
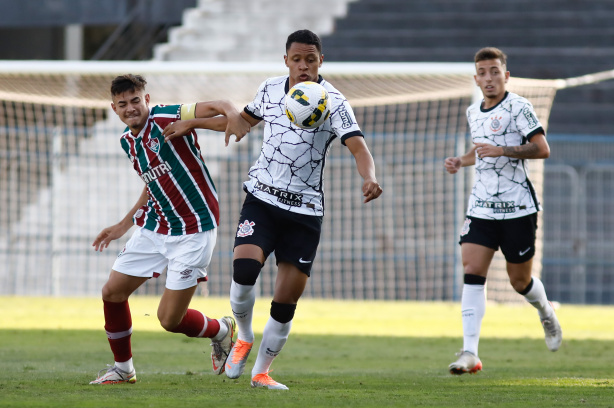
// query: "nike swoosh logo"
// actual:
[[521, 253], [303, 261]]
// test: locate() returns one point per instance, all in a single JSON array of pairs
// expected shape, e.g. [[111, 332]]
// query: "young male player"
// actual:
[[178, 215], [283, 210], [503, 207]]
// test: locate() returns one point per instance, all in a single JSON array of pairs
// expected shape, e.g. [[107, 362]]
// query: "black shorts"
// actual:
[[294, 237], [515, 236]]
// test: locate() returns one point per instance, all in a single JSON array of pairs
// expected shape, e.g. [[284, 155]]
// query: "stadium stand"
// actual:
[[545, 39]]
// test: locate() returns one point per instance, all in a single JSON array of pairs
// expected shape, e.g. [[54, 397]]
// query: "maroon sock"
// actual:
[[193, 325], [118, 324]]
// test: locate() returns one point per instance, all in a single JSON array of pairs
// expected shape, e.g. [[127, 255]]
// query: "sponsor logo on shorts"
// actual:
[[301, 260], [521, 253], [121, 252], [186, 274], [465, 229], [284, 197], [246, 228], [498, 207]]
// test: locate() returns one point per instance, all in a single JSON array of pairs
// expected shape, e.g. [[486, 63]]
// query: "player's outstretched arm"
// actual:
[[116, 231], [220, 115], [366, 167], [243, 120], [453, 164]]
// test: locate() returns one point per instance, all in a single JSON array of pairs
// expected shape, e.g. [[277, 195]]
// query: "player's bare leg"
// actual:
[[533, 290], [176, 316]]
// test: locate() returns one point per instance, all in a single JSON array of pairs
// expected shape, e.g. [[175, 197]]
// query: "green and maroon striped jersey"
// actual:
[[182, 196]]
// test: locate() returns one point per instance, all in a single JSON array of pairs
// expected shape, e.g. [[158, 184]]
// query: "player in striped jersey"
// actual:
[[502, 210], [178, 215]]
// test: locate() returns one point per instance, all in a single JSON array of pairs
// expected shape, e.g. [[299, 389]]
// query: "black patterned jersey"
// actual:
[[289, 171], [501, 188]]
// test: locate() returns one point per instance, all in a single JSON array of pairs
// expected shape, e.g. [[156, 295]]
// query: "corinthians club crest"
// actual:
[[495, 123], [154, 145]]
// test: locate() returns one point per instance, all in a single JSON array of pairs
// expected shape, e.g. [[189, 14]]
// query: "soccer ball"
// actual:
[[307, 105]]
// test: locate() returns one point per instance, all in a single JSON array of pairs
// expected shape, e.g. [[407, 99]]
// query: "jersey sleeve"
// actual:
[[343, 120], [163, 115], [527, 123], [254, 108]]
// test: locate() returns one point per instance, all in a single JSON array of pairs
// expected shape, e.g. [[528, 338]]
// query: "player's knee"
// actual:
[[169, 324], [111, 295], [246, 271], [522, 285], [282, 312]]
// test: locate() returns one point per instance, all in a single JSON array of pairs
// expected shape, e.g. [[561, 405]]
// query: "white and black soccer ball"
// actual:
[[307, 105]]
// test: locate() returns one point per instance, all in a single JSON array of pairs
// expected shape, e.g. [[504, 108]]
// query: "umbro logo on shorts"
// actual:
[[185, 274]]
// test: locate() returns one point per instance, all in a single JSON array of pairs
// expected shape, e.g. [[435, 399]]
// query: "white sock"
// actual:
[[473, 306], [537, 297], [222, 332], [242, 299], [273, 339], [126, 366]]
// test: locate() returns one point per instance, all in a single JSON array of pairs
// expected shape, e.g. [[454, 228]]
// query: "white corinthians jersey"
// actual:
[[288, 174], [501, 188]]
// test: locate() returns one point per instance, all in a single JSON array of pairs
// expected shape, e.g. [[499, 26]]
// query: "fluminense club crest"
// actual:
[[153, 145], [246, 228]]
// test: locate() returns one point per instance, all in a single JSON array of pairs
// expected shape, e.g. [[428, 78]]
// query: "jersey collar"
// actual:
[[287, 86], [489, 109]]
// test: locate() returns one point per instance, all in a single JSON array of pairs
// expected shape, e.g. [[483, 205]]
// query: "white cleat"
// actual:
[[467, 363], [265, 380], [553, 332], [222, 348], [113, 375]]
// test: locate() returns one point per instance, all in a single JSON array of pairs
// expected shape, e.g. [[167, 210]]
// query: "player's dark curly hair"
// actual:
[[490, 53], [128, 82], [304, 37]]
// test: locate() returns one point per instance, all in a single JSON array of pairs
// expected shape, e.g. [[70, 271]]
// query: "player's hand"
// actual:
[[371, 190], [176, 129], [109, 234], [236, 126], [488, 150], [452, 164]]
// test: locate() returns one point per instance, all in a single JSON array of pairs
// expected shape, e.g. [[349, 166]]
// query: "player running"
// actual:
[[283, 210], [503, 207], [178, 215]]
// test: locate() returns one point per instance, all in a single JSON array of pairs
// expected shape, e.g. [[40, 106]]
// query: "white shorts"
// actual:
[[148, 253]]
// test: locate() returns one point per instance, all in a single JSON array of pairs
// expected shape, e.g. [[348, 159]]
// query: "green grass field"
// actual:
[[340, 354]]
